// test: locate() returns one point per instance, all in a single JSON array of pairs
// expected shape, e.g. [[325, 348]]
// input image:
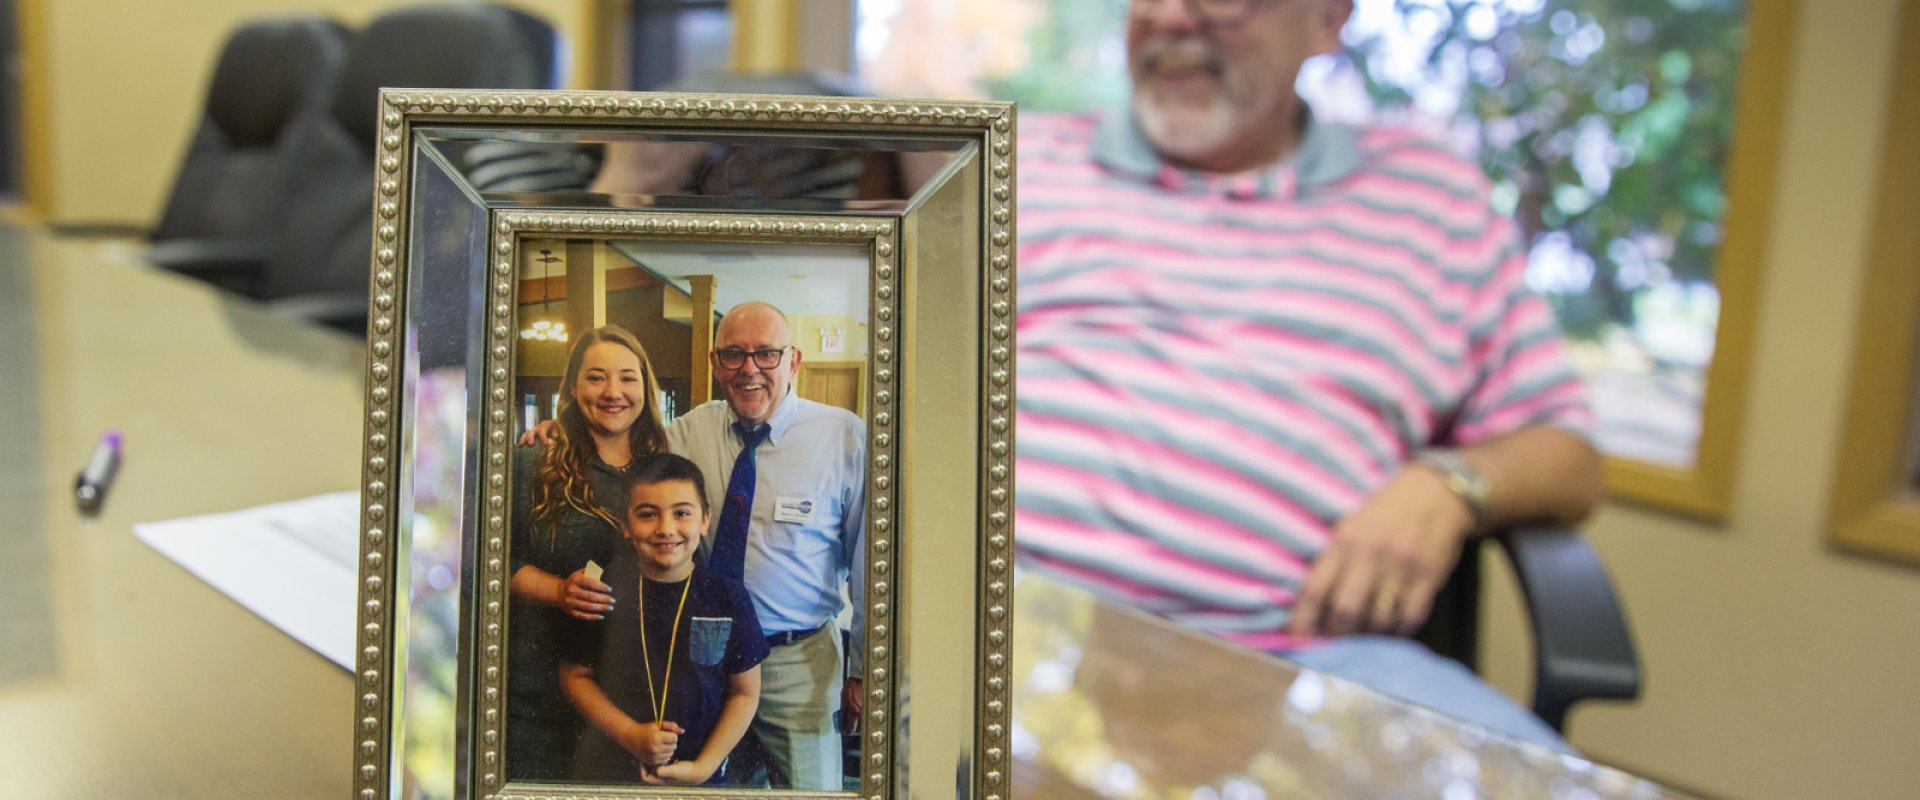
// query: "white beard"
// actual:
[[1185, 132]]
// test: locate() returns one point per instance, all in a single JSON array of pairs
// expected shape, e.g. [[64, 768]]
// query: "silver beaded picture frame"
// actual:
[[452, 244]]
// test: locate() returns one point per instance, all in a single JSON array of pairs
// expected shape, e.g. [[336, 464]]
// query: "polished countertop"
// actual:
[[1111, 704], [122, 675]]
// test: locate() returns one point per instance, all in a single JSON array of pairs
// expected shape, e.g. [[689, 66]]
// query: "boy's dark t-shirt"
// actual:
[[719, 636]]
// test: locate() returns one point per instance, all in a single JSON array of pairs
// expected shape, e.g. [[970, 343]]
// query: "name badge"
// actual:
[[788, 508]]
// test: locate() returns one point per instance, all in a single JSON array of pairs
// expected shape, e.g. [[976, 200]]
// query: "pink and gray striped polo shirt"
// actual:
[[1214, 369]]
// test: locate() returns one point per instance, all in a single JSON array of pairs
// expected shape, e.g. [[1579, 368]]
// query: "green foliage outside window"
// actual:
[[1604, 120]]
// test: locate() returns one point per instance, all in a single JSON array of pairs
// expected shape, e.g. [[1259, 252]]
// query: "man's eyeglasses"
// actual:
[[764, 359], [1210, 12]]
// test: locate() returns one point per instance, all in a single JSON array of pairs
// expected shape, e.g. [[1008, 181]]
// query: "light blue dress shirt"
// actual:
[[806, 536]]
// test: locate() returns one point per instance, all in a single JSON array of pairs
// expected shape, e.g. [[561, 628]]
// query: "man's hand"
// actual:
[[1386, 560], [852, 704], [585, 598], [652, 744], [540, 434]]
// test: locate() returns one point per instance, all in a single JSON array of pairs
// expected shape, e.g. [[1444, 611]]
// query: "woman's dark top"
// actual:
[[533, 682]]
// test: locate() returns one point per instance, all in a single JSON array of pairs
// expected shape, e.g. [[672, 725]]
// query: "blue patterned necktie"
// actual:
[[730, 542]]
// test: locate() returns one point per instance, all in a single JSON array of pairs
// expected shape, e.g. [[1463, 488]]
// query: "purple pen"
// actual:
[[90, 486]]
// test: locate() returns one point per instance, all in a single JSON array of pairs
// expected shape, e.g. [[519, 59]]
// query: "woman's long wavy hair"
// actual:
[[560, 475]]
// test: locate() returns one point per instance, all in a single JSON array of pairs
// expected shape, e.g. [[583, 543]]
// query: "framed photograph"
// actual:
[[688, 452]]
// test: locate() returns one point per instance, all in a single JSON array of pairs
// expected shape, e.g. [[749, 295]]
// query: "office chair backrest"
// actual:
[[326, 242], [446, 46], [269, 71]]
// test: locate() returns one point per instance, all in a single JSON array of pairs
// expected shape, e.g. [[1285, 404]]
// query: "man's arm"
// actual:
[[853, 532], [1539, 473], [1387, 559], [540, 435]]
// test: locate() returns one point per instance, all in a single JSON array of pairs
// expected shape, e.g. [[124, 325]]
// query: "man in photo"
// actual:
[[792, 524]]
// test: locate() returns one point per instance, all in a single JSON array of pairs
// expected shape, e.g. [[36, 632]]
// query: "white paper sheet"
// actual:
[[292, 563]]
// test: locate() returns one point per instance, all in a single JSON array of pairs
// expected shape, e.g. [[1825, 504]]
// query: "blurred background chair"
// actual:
[[1581, 645], [319, 261], [215, 225], [312, 254]]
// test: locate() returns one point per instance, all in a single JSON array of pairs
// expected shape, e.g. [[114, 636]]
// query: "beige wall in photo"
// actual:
[[853, 336], [125, 81], [1776, 666]]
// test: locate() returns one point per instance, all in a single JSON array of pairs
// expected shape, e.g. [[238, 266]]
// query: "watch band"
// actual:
[[1462, 479]]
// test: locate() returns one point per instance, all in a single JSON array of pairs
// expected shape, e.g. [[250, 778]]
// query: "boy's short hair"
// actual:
[[664, 467]]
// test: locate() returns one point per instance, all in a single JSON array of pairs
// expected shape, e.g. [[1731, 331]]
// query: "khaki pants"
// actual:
[[793, 739]]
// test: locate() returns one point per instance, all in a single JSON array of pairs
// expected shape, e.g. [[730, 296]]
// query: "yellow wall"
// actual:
[[125, 80], [806, 336], [1775, 666]]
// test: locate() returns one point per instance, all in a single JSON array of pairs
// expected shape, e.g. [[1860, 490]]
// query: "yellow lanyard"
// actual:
[[646, 660]]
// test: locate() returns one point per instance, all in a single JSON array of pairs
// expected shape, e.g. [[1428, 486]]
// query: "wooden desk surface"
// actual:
[[121, 675]]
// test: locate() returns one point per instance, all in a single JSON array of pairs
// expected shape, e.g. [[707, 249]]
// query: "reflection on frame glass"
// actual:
[[638, 272]]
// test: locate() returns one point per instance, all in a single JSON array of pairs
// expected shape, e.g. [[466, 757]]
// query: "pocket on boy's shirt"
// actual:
[[707, 639]]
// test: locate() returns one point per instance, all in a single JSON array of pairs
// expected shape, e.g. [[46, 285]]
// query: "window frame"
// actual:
[[1874, 508]]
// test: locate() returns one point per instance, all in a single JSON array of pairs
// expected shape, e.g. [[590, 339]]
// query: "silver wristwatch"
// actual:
[[1462, 479]]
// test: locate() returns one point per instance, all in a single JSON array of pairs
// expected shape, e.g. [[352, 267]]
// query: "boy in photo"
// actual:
[[669, 682]]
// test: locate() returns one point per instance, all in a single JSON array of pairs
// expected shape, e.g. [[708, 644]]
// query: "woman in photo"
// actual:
[[568, 495]]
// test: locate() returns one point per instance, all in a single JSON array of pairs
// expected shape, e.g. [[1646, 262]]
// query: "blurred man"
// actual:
[[1274, 371]]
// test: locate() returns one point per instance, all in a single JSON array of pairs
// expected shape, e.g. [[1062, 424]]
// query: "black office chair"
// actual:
[[319, 261], [1582, 648], [216, 225]]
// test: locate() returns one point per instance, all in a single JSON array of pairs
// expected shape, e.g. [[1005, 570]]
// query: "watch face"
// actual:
[[1470, 484], [1461, 478]]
